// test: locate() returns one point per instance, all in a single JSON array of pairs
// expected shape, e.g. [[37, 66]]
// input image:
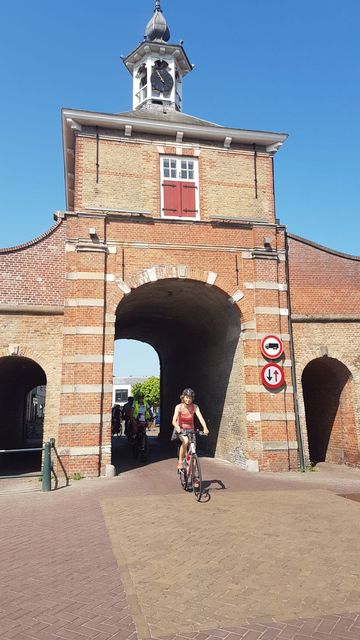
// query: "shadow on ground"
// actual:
[[12, 464], [122, 453]]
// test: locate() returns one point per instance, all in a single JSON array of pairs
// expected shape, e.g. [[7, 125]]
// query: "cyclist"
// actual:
[[183, 421], [141, 412], [141, 418]]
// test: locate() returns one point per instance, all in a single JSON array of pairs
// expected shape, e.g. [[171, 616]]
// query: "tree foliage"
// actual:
[[136, 390], [150, 389]]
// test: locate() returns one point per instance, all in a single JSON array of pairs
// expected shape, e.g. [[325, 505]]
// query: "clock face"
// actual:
[[161, 80]]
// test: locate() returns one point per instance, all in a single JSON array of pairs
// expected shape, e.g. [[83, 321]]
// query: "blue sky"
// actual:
[[279, 65]]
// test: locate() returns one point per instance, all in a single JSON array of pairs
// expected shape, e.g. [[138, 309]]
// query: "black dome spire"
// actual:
[[157, 28]]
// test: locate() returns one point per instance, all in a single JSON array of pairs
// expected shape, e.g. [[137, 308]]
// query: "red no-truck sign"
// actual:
[[272, 347], [272, 376]]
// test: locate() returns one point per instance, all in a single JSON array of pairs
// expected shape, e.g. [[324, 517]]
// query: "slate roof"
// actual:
[[169, 116]]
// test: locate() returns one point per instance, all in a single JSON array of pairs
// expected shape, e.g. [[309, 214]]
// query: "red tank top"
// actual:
[[186, 421]]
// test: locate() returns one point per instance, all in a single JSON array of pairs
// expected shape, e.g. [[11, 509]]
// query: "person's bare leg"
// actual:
[[182, 450]]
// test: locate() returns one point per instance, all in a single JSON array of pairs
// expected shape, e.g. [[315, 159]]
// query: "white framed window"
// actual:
[[170, 168], [179, 187]]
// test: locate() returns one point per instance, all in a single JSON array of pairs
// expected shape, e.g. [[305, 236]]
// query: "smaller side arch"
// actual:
[[329, 409], [19, 376]]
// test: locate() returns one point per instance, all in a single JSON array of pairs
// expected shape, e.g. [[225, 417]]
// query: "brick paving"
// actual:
[[269, 556]]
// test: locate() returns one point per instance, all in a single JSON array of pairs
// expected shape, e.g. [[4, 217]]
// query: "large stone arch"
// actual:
[[329, 409], [180, 272], [195, 328]]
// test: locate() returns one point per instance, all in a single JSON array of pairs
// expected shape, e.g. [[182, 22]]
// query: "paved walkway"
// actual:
[[268, 556]]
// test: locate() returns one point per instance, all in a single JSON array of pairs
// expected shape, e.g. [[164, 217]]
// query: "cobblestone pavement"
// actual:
[[268, 556]]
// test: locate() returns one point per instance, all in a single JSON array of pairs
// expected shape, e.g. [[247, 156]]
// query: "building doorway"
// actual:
[[330, 420]]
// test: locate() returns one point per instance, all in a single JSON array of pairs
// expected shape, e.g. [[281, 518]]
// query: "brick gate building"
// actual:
[[170, 237]]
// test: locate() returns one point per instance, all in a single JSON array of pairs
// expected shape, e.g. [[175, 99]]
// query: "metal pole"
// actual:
[[46, 477]]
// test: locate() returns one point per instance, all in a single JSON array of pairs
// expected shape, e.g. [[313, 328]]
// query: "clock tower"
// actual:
[[157, 67]]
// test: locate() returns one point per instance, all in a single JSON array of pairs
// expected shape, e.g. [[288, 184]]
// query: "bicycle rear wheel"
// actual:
[[144, 448], [196, 477]]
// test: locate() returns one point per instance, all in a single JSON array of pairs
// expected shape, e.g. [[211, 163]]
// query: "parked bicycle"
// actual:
[[190, 473]]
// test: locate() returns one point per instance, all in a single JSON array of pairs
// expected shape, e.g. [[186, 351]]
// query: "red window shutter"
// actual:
[[188, 199], [172, 198]]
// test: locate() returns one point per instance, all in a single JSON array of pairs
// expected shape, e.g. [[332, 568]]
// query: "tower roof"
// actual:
[[157, 28]]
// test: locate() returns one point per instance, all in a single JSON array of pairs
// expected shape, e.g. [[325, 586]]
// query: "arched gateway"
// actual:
[[170, 236], [195, 330]]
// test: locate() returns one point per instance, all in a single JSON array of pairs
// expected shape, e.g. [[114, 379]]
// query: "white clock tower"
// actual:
[[157, 67]]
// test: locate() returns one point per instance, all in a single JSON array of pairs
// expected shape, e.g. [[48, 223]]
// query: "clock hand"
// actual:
[[160, 76]]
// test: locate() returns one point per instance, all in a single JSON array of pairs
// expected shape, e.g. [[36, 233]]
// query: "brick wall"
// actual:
[[323, 282], [33, 273], [129, 177], [325, 301]]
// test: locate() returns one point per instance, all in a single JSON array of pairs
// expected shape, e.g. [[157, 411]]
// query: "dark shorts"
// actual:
[[183, 432]]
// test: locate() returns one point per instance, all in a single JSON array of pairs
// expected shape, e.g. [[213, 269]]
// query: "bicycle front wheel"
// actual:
[[196, 477]]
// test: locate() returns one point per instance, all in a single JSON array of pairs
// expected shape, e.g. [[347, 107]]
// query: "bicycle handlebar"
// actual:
[[197, 431]]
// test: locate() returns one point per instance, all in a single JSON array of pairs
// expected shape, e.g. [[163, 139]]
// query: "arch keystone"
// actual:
[[14, 349], [182, 270]]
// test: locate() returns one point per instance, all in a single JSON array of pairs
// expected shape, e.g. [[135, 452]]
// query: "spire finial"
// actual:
[[157, 28]]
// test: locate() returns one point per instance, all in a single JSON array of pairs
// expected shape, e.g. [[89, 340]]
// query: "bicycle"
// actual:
[[138, 440], [190, 474], [142, 444]]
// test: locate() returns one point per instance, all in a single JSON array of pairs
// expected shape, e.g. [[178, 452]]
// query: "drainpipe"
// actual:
[[103, 350], [292, 358]]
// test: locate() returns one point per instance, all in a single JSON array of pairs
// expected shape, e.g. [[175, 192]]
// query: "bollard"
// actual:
[[46, 476]]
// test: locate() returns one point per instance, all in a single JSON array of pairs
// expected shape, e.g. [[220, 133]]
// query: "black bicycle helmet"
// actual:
[[188, 392]]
